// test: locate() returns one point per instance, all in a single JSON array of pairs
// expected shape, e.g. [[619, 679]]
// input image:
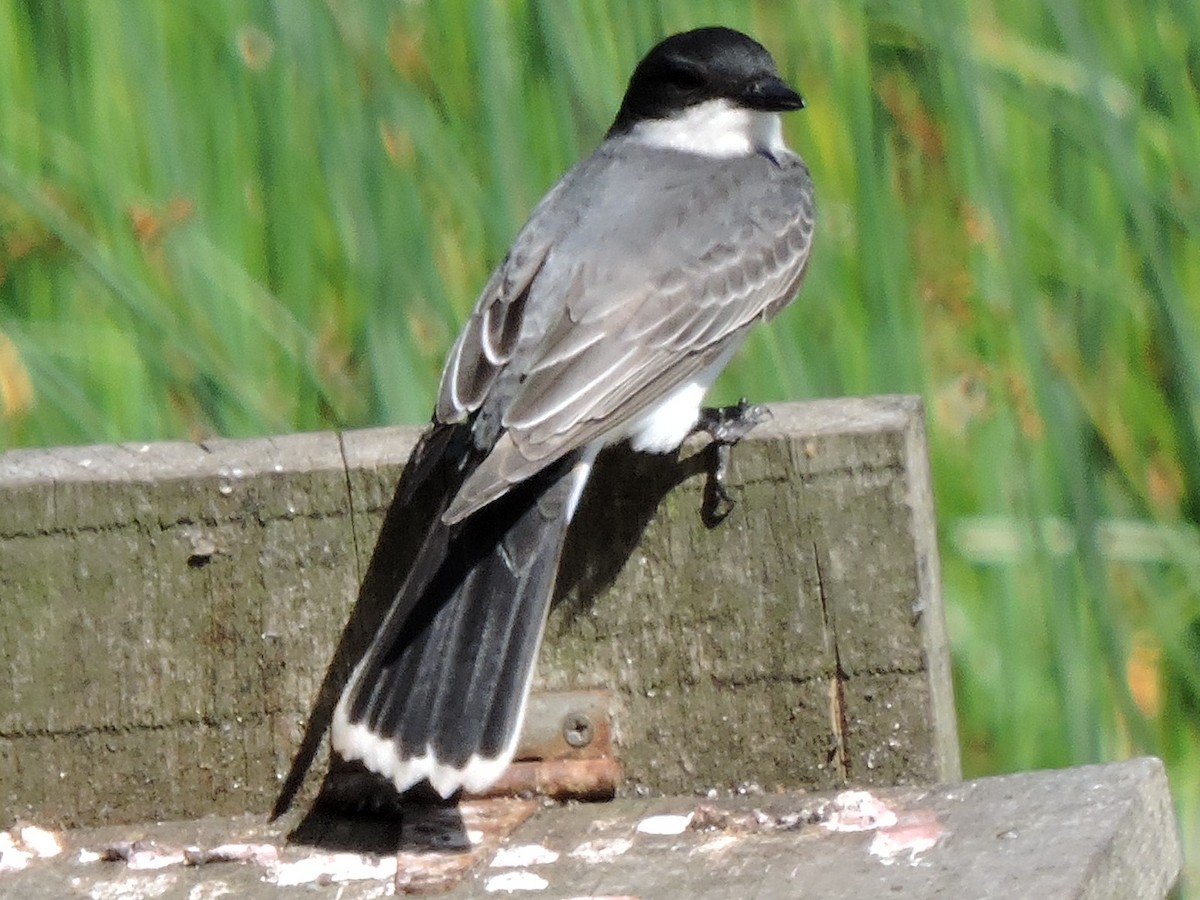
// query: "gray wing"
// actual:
[[593, 318]]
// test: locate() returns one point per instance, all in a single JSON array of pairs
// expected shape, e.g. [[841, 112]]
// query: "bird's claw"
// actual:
[[726, 425], [729, 424]]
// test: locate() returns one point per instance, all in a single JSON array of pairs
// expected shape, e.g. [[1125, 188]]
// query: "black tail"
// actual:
[[441, 690]]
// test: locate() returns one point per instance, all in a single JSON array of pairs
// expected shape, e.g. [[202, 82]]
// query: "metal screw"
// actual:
[[577, 729]]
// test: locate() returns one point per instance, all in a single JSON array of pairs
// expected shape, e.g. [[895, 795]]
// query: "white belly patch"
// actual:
[[663, 427]]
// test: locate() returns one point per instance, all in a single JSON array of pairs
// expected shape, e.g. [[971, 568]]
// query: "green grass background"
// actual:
[[240, 218]]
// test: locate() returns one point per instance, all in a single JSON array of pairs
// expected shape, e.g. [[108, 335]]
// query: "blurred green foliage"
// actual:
[[237, 218]]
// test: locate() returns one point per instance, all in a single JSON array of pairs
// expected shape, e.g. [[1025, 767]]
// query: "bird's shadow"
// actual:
[[624, 492], [356, 809], [359, 812]]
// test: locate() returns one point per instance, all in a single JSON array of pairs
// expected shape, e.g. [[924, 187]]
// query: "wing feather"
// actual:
[[618, 312], [491, 334]]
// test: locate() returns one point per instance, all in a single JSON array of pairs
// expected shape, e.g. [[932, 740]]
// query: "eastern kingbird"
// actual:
[[632, 284]]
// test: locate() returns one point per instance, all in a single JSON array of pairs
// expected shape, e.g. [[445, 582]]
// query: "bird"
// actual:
[[630, 287]]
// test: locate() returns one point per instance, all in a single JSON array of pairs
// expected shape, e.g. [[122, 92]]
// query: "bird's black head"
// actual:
[[692, 67]]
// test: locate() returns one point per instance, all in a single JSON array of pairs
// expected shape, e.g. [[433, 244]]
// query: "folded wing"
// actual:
[[591, 320]]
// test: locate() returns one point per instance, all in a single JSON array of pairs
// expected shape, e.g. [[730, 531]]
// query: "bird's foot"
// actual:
[[726, 425], [729, 424]]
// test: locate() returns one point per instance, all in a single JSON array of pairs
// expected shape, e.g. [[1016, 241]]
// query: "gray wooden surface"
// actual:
[[1092, 833], [174, 614]]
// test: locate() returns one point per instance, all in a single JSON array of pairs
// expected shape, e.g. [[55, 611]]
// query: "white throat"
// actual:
[[715, 128]]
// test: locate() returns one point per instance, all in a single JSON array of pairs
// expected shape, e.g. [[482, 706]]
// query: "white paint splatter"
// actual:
[[664, 824], [859, 811], [602, 850], [523, 855], [520, 880]]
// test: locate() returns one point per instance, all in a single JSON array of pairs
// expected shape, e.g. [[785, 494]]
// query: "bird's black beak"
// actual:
[[771, 94]]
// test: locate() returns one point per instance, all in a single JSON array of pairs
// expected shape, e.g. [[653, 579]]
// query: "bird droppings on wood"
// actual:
[[913, 834], [41, 842], [523, 855], [22, 844], [664, 825], [139, 855], [314, 868], [261, 854], [12, 859], [332, 868], [437, 846], [716, 845], [1102, 831], [858, 811], [518, 880], [138, 887], [601, 850]]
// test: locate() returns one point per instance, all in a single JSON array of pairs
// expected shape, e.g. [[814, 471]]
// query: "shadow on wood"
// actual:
[[620, 501]]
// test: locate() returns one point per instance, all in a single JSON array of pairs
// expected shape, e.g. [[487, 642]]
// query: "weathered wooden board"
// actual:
[[1094, 832], [174, 614]]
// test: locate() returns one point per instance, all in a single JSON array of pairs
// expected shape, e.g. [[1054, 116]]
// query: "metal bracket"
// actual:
[[566, 749]]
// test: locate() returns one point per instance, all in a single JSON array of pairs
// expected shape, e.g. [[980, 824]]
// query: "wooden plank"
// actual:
[[727, 643], [1092, 832], [172, 612]]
